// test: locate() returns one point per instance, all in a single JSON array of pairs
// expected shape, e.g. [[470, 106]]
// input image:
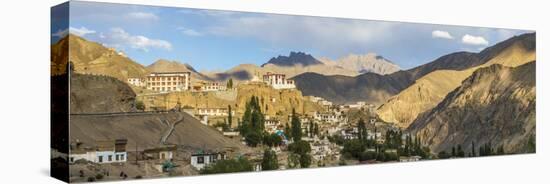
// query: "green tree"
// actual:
[[361, 130], [140, 105], [288, 132], [269, 161], [293, 160], [273, 140], [296, 127], [460, 152], [252, 124], [443, 155], [453, 152], [316, 129], [228, 166], [302, 149], [253, 138], [473, 152], [531, 144], [230, 83], [500, 150], [305, 160], [229, 116], [354, 148]]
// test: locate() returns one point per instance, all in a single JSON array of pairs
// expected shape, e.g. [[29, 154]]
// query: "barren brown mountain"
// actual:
[[495, 105], [90, 57], [430, 89], [370, 62], [163, 65]]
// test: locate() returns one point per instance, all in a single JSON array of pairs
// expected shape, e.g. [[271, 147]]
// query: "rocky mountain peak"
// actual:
[[294, 58]]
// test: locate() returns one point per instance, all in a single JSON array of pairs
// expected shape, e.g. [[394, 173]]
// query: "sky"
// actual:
[[212, 40]]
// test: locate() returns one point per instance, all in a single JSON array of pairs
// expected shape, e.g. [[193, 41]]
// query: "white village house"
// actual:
[[136, 82], [215, 111], [104, 152], [201, 160], [330, 117]]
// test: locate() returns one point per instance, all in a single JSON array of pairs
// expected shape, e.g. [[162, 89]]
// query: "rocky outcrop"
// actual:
[[496, 105]]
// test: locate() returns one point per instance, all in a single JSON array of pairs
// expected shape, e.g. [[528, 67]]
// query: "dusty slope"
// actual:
[[495, 104], [93, 58], [147, 129], [98, 94], [429, 90]]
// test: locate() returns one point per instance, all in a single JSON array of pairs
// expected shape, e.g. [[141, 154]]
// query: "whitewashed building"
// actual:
[[271, 125], [201, 160], [213, 112], [104, 152], [161, 153], [136, 82], [209, 86], [330, 117], [169, 81], [278, 81]]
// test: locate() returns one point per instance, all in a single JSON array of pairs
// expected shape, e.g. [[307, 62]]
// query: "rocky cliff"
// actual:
[[429, 90], [496, 105]]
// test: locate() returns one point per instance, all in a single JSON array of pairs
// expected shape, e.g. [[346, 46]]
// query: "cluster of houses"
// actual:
[[103, 152], [115, 151], [330, 117], [320, 101]]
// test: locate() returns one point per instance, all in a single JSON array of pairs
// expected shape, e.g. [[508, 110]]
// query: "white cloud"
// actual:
[[81, 31], [60, 33], [441, 34], [142, 16], [474, 40], [189, 32], [118, 37], [330, 34], [76, 31]]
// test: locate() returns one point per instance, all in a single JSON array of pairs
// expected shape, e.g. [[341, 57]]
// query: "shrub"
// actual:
[[99, 176]]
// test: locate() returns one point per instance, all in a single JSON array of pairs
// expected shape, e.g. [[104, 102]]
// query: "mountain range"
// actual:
[[365, 86], [90, 57]]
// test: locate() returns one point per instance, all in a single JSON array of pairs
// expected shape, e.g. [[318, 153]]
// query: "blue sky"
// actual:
[[213, 40]]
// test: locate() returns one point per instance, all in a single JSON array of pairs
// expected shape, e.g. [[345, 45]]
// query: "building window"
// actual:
[[200, 160], [116, 157], [100, 159], [110, 158], [72, 159]]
